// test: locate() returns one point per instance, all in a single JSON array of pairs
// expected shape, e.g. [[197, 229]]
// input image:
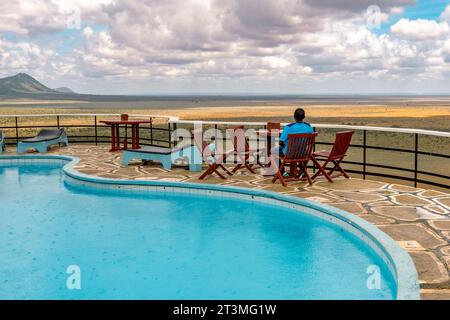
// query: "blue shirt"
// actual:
[[296, 127]]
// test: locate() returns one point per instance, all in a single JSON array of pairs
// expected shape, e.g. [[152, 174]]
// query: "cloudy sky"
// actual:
[[229, 46]]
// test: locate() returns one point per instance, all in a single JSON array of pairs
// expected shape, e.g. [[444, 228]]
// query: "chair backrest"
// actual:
[[300, 146], [273, 126], [201, 144], [51, 132], [240, 141], [341, 144]]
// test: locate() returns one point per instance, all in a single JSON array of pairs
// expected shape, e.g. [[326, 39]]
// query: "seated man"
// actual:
[[297, 127], [279, 151]]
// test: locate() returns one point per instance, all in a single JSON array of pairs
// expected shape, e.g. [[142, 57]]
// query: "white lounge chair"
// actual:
[[166, 156], [2, 142], [44, 139]]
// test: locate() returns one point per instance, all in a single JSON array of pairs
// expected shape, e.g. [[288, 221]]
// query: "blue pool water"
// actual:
[[155, 246]]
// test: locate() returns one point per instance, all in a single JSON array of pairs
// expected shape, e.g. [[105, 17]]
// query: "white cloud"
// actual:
[[420, 29], [445, 16], [171, 40]]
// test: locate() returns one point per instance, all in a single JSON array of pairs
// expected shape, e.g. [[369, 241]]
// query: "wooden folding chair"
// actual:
[[241, 149], [298, 154], [335, 156], [213, 160], [272, 129], [271, 126]]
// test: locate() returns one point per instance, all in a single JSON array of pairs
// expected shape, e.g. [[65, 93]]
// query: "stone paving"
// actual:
[[418, 219]]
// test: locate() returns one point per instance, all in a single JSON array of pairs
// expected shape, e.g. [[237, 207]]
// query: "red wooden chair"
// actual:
[[298, 153], [210, 157], [272, 129], [241, 149], [335, 156], [271, 126]]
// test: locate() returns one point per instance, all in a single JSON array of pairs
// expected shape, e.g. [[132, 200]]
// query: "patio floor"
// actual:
[[418, 219]]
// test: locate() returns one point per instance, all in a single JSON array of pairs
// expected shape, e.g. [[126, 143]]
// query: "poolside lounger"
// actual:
[[335, 156], [165, 155], [2, 142], [44, 139], [298, 154]]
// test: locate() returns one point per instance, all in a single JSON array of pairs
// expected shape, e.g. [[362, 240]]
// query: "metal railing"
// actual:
[[409, 171], [427, 152], [91, 130]]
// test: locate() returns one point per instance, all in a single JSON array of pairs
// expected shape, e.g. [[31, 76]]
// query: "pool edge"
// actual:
[[405, 272]]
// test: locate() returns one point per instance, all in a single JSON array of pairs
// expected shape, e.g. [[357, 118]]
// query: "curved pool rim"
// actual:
[[399, 262]]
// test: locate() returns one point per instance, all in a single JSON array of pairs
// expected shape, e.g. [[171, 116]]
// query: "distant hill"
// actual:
[[24, 86], [64, 90], [22, 83]]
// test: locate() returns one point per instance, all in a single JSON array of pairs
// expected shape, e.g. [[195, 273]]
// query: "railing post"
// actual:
[[364, 153], [57, 124], [17, 130], [96, 130], [314, 150], [170, 135], [416, 157], [151, 131]]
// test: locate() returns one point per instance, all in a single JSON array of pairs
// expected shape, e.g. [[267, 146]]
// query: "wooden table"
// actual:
[[115, 137]]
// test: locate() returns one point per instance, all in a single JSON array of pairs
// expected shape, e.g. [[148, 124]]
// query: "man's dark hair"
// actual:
[[299, 114]]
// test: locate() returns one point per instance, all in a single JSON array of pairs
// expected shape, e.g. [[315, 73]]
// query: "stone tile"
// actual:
[[431, 194], [405, 213], [279, 188], [429, 268], [398, 212], [351, 184], [383, 192], [321, 197], [411, 245], [357, 196], [398, 187], [409, 199], [380, 203], [444, 202], [377, 220], [416, 232], [446, 250], [242, 185], [440, 224], [437, 209], [352, 207], [435, 294]]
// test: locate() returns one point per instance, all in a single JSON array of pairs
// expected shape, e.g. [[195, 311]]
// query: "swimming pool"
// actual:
[[142, 244]]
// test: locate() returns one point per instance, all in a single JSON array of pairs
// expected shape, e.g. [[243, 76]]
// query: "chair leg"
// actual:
[[221, 176], [42, 147], [207, 172], [211, 169], [321, 171], [279, 175], [167, 163], [225, 169], [236, 168], [305, 170], [249, 168], [338, 166]]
